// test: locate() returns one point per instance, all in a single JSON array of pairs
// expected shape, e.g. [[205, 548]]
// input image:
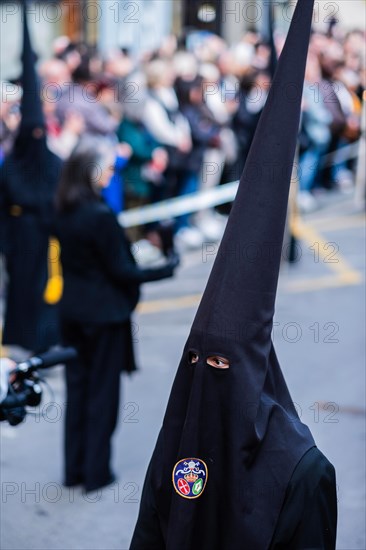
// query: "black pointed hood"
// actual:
[[31, 171], [244, 277], [34, 162], [240, 422], [31, 105]]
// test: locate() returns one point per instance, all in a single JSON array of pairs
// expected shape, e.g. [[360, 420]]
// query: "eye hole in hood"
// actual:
[[193, 357], [215, 361], [218, 362]]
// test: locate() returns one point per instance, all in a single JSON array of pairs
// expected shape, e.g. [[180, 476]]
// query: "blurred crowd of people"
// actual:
[[139, 131], [181, 119]]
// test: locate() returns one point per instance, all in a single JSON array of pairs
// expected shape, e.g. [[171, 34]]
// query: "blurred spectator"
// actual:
[[61, 138], [354, 52], [68, 52], [113, 194], [101, 289], [360, 191], [215, 92], [315, 133], [168, 47], [221, 102], [252, 96], [205, 132], [185, 65], [330, 60], [228, 82], [261, 59], [55, 75], [10, 96], [118, 66], [81, 96], [166, 124], [106, 90], [347, 82], [144, 175]]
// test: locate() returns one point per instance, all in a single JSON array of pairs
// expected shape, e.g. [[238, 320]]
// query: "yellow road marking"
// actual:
[[339, 265], [343, 409], [333, 224], [343, 275], [166, 304], [302, 285], [319, 283]]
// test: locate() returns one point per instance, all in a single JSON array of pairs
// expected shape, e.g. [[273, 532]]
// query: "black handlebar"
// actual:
[[26, 387], [44, 360]]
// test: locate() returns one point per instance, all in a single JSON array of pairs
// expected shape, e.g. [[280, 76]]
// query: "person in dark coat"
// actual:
[[101, 290], [234, 467], [253, 92], [252, 97], [205, 132], [140, 189], [28, 180]]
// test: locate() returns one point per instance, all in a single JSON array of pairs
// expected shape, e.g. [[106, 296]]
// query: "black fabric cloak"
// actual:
[[308, 518]]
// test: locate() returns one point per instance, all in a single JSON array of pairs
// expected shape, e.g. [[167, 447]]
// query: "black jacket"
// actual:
[[101, 277]]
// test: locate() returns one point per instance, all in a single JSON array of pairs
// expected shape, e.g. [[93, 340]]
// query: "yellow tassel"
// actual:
[[54, 288]]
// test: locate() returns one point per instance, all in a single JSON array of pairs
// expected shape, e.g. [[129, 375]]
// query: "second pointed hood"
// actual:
[[268, 34], [31, 105]]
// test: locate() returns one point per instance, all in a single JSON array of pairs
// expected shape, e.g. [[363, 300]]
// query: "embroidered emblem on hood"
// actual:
[[190, 477]]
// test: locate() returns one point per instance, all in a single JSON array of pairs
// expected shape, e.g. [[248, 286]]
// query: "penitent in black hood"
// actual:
[[233, 435]]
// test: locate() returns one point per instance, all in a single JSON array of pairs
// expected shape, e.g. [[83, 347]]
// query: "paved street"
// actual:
[[319, 333]]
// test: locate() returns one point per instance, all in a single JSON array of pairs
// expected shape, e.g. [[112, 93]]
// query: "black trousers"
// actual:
[[93, 391]]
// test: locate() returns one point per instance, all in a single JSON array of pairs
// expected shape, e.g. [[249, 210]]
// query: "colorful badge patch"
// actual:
[[190, 477]]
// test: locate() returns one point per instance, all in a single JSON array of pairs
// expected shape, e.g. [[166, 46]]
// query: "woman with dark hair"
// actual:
[[101, 289]]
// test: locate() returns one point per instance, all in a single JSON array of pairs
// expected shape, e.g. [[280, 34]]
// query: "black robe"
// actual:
[[28, 179], [308, 518]]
